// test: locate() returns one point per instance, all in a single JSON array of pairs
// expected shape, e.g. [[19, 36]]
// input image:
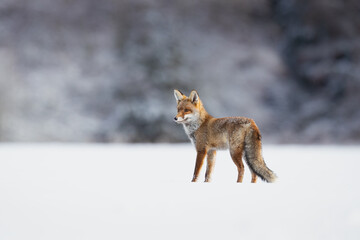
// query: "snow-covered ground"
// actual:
[[79, 191]]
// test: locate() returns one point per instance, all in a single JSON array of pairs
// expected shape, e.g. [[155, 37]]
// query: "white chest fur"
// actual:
[[190, 130]]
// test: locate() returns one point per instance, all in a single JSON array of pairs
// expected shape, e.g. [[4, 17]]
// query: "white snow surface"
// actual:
[[95, 191]]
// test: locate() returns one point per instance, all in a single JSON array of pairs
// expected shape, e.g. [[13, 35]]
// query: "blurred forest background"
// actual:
[[104, 71]]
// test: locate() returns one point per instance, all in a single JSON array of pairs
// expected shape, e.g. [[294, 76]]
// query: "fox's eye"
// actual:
[[187, 110]]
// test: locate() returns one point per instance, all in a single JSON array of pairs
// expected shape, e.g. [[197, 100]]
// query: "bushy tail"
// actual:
[[260, 169], [253, 155]]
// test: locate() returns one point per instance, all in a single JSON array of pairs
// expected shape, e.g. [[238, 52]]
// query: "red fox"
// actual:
[[208, 134]]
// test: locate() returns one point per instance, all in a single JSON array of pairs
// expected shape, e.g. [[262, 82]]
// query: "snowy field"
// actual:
[[79, 191]]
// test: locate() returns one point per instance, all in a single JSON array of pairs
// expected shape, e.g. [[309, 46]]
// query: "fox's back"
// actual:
[[221, 132]]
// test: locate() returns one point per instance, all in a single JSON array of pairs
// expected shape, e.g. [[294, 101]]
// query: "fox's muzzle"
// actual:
[[178, 119]]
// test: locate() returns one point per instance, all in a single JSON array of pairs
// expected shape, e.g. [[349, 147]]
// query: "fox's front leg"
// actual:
[[199, 162], [210, 164]]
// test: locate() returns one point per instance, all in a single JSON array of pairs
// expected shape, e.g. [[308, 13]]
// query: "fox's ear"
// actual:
[[194, 96], [178, 95]]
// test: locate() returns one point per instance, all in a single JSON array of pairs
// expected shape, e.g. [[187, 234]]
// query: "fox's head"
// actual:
[[188, 108]]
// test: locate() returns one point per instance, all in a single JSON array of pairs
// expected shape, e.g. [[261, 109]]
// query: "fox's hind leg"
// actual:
[[253, 177], [236, 155], [253, 174], [210, 164]]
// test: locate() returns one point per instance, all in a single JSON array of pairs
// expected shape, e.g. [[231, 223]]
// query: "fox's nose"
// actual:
[[175, 118]]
